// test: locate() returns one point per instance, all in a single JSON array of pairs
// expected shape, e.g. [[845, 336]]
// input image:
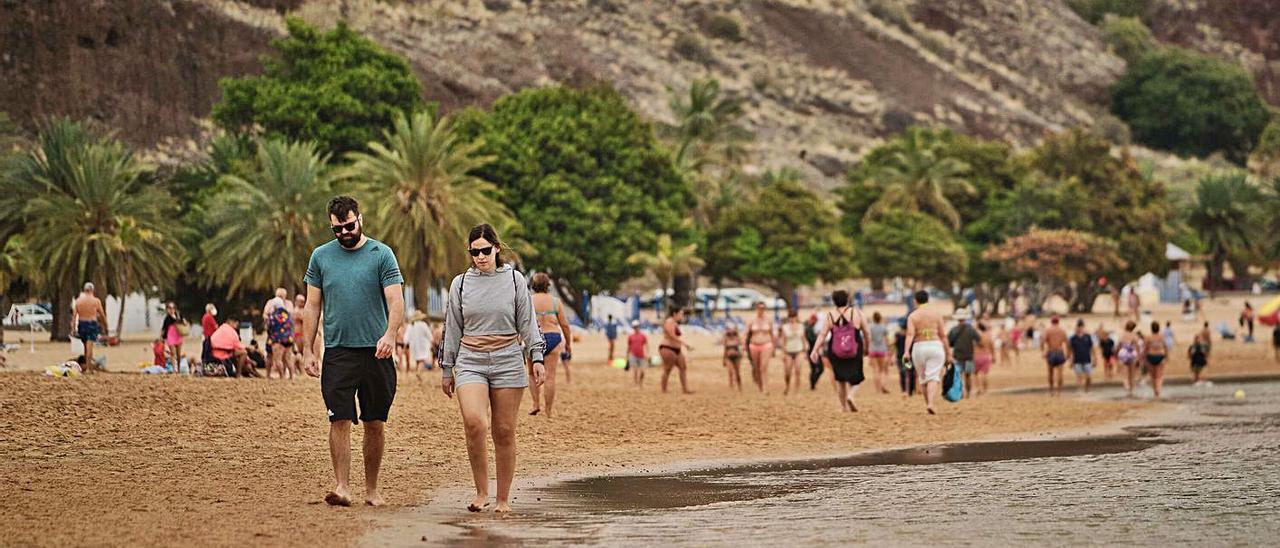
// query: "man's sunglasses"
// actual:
[[349, 227], [478, 251]]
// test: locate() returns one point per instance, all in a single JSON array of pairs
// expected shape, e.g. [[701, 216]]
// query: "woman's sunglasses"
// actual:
[[478, 251], [349, 227]]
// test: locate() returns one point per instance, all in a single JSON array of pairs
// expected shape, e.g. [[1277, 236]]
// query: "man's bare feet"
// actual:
[[337, 497], [931, 411], [374, 499], [502, 508]]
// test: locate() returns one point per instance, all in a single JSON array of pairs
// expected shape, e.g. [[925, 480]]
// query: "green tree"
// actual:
[[335, 88], [1107, 195], [88, 213], [1128, 37], [1056, 262], [668, 261], [911, 245], [784, 237], [422, 197], [588, 180], [1224, 218], [264, 225], [915, 176], [13, 270], [1190, 104], [1265, 158]]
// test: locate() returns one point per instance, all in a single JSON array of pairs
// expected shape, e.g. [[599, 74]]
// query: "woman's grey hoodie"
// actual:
[[489, 304]]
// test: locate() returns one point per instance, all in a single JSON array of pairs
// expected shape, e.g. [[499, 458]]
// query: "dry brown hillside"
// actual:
[[822, 78]]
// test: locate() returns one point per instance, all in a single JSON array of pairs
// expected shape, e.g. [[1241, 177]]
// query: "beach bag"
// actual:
[[844, 340], [952, 384]]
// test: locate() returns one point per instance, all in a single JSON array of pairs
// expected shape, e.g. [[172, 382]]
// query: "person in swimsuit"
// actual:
[[672, 351], [553, 325], [1246, 321], [811, 337], [1128, 350], [1198, 353], [732, 342], [1156, 354], [847, 371], [88, 320], [794, 345], [983, 354], [278, 316], [1054, 346], [878, 350], [1107, 347], [929, 349], [171, 331], [761, 335]]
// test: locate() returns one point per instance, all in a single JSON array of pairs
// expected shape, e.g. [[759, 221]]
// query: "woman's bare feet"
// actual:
[[373, 498], [931, 411], [502, 508], [338, 497], [479, 503], [535, 411]]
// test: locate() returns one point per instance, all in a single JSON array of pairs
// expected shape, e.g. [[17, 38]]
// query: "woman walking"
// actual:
[[878, 350], [172, 331], [672, 351], [845, 349], [1157, 351], [1128, 351], [794, 346], [761, 334], [732, 342], [554, 325], [489, 327], [983, 355], [815, 365]]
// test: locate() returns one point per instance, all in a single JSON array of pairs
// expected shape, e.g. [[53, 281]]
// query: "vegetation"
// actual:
[[724, 27], [335, 88], [1191, 105], [668, 261], [913, 246], [1056, 262], [1094, 11], [1224, 218], [1128, 37], [693, 49], [421, 196]]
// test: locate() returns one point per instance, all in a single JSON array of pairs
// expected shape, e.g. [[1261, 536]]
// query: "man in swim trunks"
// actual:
[[1081, 344], [1054, 345], [88, 320], [928, 348]]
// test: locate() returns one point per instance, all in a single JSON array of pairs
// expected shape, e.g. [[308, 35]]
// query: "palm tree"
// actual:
[[1222, 218], [12, 255], [425, 198], [706, 130], [88, 213], [265, 224], [915, 178], [668, 261]]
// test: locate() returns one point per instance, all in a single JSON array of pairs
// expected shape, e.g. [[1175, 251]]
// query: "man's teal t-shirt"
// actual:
[[351, 284]]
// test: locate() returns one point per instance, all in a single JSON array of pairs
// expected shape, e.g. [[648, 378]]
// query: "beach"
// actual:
[[126, 459]]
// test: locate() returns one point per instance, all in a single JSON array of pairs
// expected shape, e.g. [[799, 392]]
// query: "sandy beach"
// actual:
[[124, 459]]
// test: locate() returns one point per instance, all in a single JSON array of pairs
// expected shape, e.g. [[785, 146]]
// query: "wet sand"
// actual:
[[171, 460]]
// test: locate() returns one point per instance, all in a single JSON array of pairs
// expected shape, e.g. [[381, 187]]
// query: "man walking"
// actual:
[[1054, 344], [277, 315], [88, 320], [1082, 351], [963, 338], [355, 280]]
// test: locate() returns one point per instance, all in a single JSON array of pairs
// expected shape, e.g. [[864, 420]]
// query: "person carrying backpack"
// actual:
[[845, 349]]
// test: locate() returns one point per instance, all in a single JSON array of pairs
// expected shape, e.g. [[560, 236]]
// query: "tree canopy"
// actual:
[[911, 245], [335, 88]]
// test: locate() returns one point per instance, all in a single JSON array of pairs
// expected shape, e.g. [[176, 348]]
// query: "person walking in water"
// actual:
[[637, 353], [1054, 347], [1128, 353], [878, 350], [930, 351], [1081, 344], [672, 348], [88, 321], [845, 348], [1198, 354], [793, 347], [355, 281], [1157, 352], [555, 328], [490, 325], [761, 336], [732, 342]]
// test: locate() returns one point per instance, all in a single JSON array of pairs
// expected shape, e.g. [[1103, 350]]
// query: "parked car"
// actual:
[[26, 315]]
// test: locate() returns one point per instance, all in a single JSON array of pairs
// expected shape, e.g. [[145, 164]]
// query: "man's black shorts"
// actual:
[[351, 373]]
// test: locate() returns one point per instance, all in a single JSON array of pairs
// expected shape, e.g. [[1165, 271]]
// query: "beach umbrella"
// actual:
[[1269, 314]]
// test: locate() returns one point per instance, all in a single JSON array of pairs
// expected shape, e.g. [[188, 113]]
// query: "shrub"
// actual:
[[1190, 104], [1128, 37], [724, 27], [1094, 11], [691, 48], [890, 11]]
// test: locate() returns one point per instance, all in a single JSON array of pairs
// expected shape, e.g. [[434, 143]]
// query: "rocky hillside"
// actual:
[[823, 79]]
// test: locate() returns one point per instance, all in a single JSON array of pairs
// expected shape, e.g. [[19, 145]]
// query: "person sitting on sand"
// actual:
[[930, 350], [88, 320], [227, 348], [1054, 347]]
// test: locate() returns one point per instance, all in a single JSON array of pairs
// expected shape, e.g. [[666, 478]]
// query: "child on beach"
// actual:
[[157, 352]]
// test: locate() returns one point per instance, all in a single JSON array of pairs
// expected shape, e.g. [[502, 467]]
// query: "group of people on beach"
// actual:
[[1143, 357]]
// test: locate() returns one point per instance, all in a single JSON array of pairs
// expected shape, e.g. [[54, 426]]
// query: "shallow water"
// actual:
[[1211, 480]]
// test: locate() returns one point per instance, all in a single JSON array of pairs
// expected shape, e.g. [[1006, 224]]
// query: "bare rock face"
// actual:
[[1246, 31], [145, 68]]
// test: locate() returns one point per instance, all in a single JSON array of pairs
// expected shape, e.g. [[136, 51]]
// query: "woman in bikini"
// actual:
[[983, 354], [553, 325], [878, 350], [761, 334], [1107, 346], [929, 350], [795, 345], [1128, 349], [1157, 351], [672, 351], [847, 371], [732, 342]]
